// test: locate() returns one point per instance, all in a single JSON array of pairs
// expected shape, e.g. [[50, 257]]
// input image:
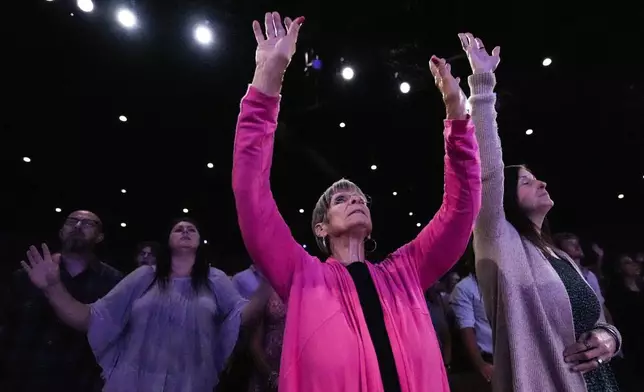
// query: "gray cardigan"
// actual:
[[525, 300]]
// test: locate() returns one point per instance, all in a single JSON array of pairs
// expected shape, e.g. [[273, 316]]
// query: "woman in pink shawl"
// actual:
[[350, 325]]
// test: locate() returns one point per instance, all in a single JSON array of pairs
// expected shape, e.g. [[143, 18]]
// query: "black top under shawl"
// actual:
[[374, 317], [586, 310]]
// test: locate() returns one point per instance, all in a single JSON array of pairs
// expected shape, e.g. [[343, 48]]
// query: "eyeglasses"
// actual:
[[87, 223]]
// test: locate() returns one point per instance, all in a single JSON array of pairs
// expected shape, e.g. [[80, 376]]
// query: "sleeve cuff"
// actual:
[[482, 83]]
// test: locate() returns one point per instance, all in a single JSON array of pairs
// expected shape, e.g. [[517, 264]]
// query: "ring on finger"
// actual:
[[599, 361]]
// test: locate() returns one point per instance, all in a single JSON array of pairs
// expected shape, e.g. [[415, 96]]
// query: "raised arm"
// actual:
[[44, 273], [442, 242], [266, 236], [491, 219]]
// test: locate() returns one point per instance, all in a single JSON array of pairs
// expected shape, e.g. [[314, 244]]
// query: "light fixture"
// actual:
[[547, 61], [620, 196], [210, 165], [404, 87], [126, 18], [203, 34], [417, 224], [411, 213], [342, 125], [185, 210], [123, 190], [529, 132], [26, 159], [374, 167], [205, 241], [123, 224], [123, 118], [347, 73], [394, 193], [301, 210], [57, 209], [85, 5], [304, 246]]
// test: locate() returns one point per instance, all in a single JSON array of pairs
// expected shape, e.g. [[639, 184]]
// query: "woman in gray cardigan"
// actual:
[[549, 331]]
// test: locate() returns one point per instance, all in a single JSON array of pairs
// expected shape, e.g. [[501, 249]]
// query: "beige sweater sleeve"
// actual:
[[491, 219]]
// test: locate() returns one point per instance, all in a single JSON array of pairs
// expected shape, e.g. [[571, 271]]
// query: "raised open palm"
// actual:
[[43, 269], [279, 42], [449, 87], [480, 60]]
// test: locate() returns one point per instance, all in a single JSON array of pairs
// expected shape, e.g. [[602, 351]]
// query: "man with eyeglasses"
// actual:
[[37, 351]]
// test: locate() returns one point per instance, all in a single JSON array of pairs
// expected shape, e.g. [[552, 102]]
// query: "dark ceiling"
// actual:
[[69, 78]]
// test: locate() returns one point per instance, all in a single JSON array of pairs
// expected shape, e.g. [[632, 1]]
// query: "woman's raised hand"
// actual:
[[277, 44], [43, 270], [453, 96], [480, 60]]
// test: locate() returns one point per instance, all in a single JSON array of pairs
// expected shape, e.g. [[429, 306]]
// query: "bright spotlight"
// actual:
[[85, 5], [123, 190], [26, 159], [123, 224], [418, 225], [342, 125], [404, 87], [394, 193], [547, 61], [347, 73], [209, 165], [185, 210], [301, 210], [122, 118], [126, 18], [58, 209], [620, 196], [529, 132], [374, 167], [203, 34]]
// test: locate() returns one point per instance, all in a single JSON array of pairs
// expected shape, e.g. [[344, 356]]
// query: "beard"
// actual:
[[77, 244]]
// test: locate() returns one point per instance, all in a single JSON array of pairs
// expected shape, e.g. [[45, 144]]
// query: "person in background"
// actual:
[[247, 281], [147, 253], [440, 313], [351, 325], [549, 330], [626, 301], [37, 352], [266, 346], [475, 330], [570, 244], [164, 328]]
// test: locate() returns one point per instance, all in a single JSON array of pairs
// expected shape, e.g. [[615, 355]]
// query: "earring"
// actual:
[[324, 243], [374, 245]]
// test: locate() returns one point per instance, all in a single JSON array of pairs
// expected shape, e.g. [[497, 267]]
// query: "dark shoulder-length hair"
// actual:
[[200, 270], [517, 216]]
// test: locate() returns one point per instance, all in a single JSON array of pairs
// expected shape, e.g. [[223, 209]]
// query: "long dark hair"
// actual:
[[200, 270], [517, 217]]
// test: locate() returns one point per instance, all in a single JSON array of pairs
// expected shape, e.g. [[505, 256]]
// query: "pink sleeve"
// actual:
[[266, 236], [443, 241]]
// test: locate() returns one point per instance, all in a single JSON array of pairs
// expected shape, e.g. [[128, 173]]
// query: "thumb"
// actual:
[[295, 26], [496, 51]]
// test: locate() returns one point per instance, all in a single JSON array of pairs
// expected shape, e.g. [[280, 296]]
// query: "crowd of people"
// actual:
[[529, 315]]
